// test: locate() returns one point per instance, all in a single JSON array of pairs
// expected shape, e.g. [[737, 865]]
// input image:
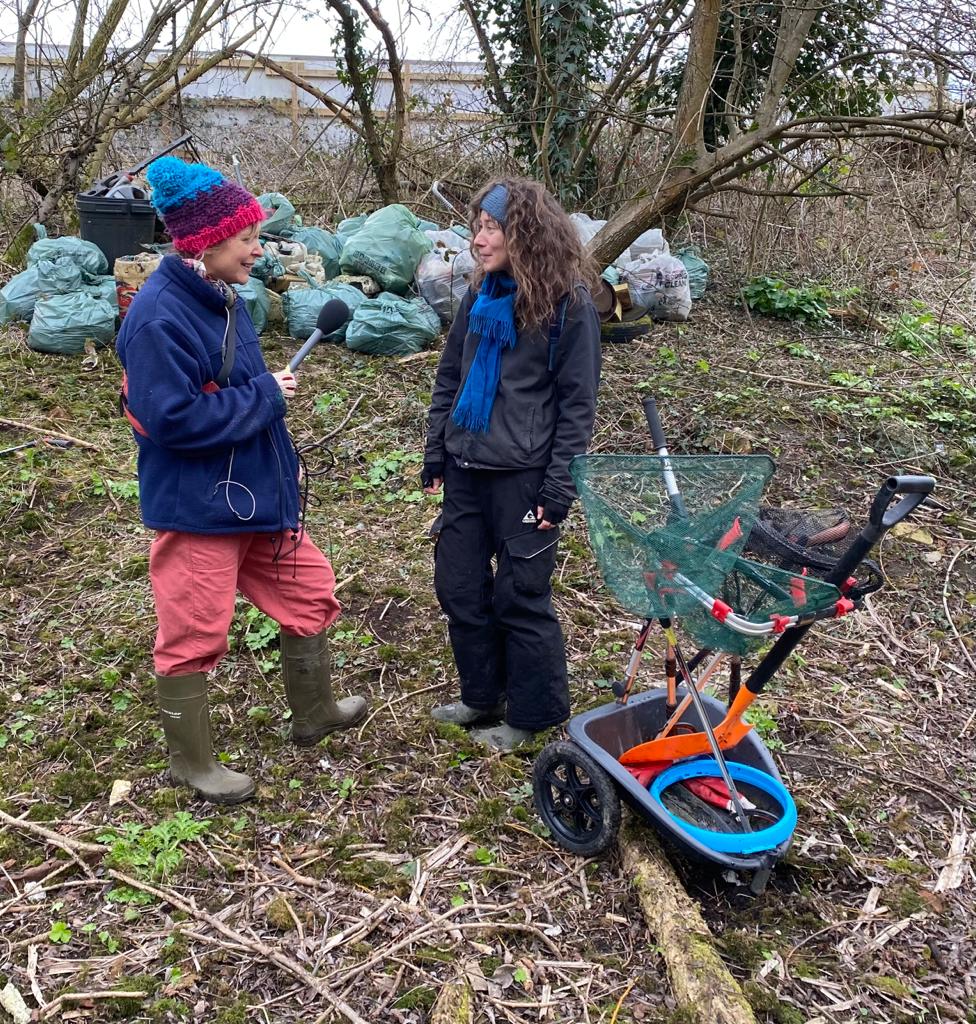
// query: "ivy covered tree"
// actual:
[[838, 69], [358, 67], [643, 109], [547, 56]]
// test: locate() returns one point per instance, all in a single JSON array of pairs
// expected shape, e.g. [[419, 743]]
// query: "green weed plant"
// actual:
[[152, 853], [807, 303], [920, 332], [385, 471], [260, 636], [762, 720]]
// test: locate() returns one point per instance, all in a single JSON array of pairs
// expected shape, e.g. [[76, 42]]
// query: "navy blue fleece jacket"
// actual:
[[219, 462]]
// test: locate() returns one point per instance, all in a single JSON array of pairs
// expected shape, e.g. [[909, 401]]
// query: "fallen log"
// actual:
[[700, 981]]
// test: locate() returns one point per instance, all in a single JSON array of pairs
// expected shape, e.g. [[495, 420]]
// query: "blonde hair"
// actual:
[[547, 257]]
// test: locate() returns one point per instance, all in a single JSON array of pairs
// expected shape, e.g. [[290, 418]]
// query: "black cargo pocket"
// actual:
[[434, 530], [434, 535], [533, 558]]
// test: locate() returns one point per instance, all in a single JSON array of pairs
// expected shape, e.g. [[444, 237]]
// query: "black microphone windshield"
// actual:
[[332, 316]]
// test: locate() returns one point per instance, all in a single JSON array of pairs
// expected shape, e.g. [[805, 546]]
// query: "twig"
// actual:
[[286, 963], [620, 1001], [349, 415], [509, 926], [76, 849], [83, 997], [439, 924], [348, 579], [808, 385], [50, 433], [360, 928], [417, 355], [945, 605], [315, 883]]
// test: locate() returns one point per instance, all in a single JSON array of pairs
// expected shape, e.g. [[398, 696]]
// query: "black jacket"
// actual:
[[540, 417]]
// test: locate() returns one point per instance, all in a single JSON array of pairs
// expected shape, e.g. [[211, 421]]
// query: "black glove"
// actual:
[[430, 472], [552, 511]]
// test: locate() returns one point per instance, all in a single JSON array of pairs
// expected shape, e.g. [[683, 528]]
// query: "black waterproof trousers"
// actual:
[[504, 632]]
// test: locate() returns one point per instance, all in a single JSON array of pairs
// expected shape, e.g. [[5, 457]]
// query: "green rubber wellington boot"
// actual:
[[186, 723], [308, 688]]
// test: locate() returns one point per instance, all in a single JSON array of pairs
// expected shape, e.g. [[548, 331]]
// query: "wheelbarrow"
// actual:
[[671, 535]]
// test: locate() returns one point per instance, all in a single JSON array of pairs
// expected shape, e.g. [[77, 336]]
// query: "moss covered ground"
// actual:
[[391, 858]]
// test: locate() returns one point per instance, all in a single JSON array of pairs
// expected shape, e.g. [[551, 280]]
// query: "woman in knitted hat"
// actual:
[[514, 401], [219, 477]]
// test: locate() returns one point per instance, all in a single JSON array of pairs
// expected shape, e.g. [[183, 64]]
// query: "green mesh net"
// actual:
[[756, 591], [661, 560]]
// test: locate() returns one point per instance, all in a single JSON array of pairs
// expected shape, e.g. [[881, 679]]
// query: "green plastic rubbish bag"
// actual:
[[427, 225], [348, 227], [302, 305], [104, 288], [18, 295], [698, 271], [387, 248], [326, 245], [58, 276], [267, 266], [87, 255], [283, 216], [392, 326], [63, 323], [255, 297]]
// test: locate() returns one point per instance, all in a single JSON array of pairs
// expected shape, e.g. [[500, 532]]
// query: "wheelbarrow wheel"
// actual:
[[576, 799]]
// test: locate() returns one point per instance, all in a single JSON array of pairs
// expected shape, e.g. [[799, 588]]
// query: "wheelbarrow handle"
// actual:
[[914, 489], [654, 424], [886, 512]]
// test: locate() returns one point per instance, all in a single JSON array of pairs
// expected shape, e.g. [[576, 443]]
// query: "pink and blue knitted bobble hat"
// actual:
[[199, 206]]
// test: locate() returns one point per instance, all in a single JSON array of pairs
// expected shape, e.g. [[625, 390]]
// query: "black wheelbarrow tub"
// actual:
[[607, 731]]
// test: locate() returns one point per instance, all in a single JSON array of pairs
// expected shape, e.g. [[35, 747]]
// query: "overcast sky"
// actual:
[[440, 34]]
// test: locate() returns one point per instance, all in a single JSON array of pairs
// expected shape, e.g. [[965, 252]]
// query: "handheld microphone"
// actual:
[[331, 317]]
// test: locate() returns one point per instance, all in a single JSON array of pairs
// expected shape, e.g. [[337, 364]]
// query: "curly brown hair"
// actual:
[[548, 259]]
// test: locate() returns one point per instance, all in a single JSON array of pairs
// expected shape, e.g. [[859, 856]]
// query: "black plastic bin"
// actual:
[[118, 226]]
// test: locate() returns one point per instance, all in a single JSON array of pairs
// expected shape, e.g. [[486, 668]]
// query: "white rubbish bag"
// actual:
[[660, 285]]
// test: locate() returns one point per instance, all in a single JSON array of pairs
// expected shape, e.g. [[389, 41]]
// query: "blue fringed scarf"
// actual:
[[492, 317]]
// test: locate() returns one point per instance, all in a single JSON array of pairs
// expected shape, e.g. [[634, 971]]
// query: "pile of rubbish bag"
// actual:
[[401, 277], [67, 295], [662, 284]]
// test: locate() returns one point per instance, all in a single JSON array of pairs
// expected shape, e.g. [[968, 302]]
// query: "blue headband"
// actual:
[[495, 203]]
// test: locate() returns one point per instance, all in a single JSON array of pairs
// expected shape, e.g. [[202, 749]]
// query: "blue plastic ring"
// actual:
[[731, 842]]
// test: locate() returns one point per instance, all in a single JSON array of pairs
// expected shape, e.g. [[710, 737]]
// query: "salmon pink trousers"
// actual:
[[195, 579]]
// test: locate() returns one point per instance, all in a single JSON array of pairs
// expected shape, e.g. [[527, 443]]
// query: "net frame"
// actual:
[[662, 564]]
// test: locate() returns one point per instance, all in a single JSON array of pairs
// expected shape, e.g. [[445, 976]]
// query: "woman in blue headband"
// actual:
[[514, 401]]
